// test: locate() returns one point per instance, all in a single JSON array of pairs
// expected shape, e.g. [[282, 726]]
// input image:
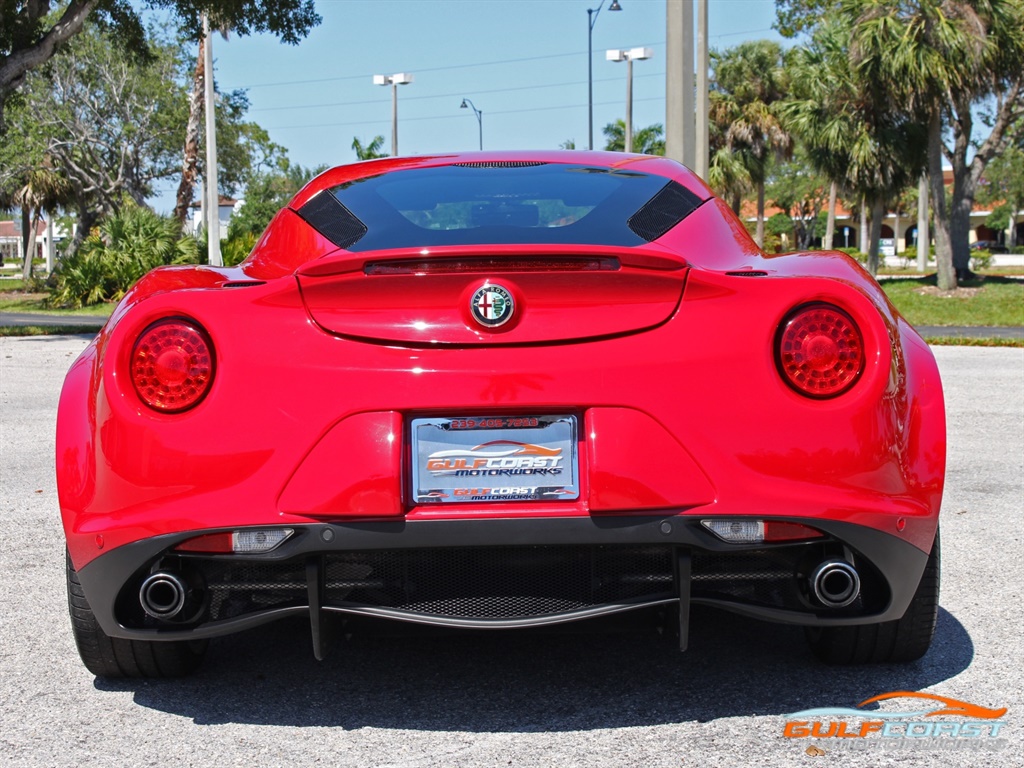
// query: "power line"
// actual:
[[450, 95], [419, 70], [453, 116]]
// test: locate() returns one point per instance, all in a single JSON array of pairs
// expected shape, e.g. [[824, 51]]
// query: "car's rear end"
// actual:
[[501, 393]]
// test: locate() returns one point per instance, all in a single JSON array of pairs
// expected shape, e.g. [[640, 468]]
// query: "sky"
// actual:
[[522, 63]]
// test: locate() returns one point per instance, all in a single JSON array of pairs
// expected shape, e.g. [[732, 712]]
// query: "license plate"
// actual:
[[494, 458]]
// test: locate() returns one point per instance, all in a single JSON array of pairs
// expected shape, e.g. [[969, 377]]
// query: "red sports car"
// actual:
[[501, 390]]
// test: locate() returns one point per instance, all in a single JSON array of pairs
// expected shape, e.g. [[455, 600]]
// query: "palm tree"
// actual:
[[749, 80], [936, 60], [371, 151], [850, 136], [42, 189], [646, 141]]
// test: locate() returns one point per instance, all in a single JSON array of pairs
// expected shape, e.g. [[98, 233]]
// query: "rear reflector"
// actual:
[[819, 351], [759, 531], [172, 365], [247, 542], [736, 531]]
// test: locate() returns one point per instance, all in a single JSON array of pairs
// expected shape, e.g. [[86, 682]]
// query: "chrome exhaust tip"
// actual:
[[835, 583], [163, 595]]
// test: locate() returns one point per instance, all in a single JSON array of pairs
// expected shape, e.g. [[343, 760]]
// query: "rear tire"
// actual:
[[107, 656], [901, 640]]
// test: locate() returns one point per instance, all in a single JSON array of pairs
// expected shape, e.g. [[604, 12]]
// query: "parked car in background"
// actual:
[[992, 246]]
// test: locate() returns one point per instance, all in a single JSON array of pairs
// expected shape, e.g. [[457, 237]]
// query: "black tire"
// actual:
[[902, 640], [107, 656]]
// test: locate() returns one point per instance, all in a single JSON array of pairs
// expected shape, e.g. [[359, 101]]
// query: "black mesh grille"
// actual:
[[500, 164], [763, 577], [330, 218], [663, 211], [499, 582], [235, 589]]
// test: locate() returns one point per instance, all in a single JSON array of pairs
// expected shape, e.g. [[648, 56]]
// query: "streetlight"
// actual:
[[591, 21], [402, 78], [629, 56], [479, 118]]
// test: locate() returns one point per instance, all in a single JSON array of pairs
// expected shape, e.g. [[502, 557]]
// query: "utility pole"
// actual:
[[679, 82], [702, 159], [212, 196]]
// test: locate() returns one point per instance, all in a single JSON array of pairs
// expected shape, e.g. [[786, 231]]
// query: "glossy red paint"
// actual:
[[668, 363], [550, 306]]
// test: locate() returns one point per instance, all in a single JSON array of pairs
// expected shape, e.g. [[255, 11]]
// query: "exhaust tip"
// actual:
[[835, 583], [163, 595]]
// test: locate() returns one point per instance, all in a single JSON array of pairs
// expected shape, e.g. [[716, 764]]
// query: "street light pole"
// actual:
[[591, 21], [468, 103], [402, 78], [629, 56], [212, 196]]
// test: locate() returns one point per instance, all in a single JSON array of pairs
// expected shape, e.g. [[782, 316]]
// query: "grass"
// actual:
[[46, 330], [964, 341], [912, 270], [11, 301], [984, 301]]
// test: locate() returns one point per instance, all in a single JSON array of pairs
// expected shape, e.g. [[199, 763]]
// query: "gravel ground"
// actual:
[[611, 699]]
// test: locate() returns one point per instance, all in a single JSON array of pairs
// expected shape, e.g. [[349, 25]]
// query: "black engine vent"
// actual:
[[500, 164], [747, 273], [663, 211], [330, 218]]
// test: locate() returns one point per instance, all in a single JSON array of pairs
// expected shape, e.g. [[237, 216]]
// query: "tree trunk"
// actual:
[[830, 226], [759, 236], [190, 159], [87, 218], [28, 242], [19, 61], [960, 224], [943, 247], [924, 240], [877, 213]]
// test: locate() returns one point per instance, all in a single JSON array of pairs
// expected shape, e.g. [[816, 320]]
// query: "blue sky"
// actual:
[[523, 63]]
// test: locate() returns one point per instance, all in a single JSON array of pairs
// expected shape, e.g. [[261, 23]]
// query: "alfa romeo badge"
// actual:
[[492, 306]]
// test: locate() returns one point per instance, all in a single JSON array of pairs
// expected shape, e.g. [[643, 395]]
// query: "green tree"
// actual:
[[847, 128], [1003, 189], [111, 122], [112, 125], [369, 151], [750, 80], [803, 195], [936, 61], [266, 194], [30, 35], [646, 141]]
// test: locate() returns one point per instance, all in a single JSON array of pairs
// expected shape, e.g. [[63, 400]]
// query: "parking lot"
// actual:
[[585, 699]]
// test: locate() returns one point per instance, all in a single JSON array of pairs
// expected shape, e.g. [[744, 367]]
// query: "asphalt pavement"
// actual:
[[584, 699]]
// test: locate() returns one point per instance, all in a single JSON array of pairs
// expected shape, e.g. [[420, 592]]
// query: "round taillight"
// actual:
[[172, 365], [820, 351]]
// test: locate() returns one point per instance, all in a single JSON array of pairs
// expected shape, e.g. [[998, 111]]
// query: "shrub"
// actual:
[[236, 248], [126, 246], [981, 259]]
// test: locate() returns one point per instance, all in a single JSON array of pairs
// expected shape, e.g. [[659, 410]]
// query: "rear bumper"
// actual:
[[469, 572]]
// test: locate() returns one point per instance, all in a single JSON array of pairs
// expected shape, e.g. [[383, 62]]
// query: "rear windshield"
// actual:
[[494, 203]]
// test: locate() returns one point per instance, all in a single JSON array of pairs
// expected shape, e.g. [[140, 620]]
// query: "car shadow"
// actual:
[[529, 682]]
